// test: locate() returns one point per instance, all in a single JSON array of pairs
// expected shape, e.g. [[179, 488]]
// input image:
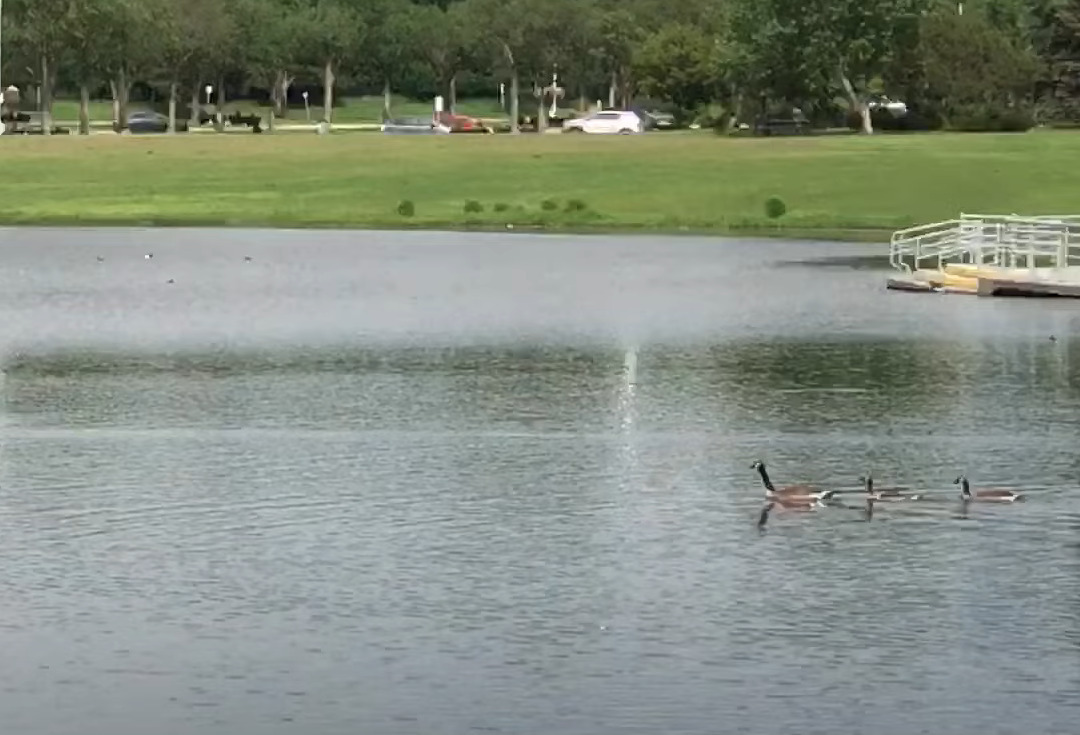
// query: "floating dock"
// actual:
[[990, 255]]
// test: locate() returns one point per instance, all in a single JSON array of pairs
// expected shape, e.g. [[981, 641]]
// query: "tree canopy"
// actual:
[[826, 57]]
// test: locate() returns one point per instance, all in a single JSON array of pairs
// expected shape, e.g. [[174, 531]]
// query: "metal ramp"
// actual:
[[1006, 241]]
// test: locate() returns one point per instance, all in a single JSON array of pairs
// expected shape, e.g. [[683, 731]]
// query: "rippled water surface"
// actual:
[[447, 483]]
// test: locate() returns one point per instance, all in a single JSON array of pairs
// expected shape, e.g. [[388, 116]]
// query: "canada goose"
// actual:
[[985, 496], [870, 500], [790, 492], [886, 494]]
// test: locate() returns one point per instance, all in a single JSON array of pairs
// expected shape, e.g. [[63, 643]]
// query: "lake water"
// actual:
[[447, 483]]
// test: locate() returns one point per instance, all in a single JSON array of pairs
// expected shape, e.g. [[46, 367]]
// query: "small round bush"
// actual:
[[576, 205], [406, 208], [775, 208], [501, 207], [549, 205], [472, 207]]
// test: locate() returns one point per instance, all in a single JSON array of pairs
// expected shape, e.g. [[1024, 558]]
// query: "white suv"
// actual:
[[606, 121]]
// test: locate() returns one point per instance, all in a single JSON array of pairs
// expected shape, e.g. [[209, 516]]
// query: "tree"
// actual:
[[527, 39], [1059, 37], [682, 64], [334, 32], [825, 46], [444, 39], [194, 34], [618, 36], [971, 65], [40, 28], [85, 56], [267, 47], [392, 28], [128, 50]]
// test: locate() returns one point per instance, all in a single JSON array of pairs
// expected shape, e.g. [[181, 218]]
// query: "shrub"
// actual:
[[549, 205], [912, 121], [501, 207], [576, 205], [473, 207], [775, 208], [991, 119], [406, 208]]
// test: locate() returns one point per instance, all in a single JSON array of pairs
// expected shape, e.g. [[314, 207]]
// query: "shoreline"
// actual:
[[874, 236]]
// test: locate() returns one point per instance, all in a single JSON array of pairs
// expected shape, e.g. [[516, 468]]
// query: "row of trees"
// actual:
[[945, 58]]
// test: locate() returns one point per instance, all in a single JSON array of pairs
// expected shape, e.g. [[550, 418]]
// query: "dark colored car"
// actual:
[[414, 126], [148, 121], [657, 120]]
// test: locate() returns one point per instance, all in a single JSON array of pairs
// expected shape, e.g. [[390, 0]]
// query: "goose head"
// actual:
[[965, 488]]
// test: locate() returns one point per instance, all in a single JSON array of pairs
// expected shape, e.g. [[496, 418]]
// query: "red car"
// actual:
[[462, 123]]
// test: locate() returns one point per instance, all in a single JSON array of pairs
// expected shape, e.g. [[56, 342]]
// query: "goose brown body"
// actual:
[[988, 495], [790, 493], [886, 494]]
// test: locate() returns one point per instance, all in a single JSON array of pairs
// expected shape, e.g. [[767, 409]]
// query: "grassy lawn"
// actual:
[[660, 181], [352, 110]]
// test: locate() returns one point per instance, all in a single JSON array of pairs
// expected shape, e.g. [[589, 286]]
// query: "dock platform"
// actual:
[[990, 255]]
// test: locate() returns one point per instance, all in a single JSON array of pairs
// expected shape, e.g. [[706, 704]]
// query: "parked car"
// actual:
[[463, 123], [657, 120], [618, 122], [148, 121], [414, 126]]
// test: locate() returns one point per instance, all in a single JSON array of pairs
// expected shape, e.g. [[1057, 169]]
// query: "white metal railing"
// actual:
[[1011, 240]]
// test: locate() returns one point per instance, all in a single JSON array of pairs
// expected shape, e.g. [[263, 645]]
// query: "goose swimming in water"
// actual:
[[985, 496], [792, 493], [886, 494]]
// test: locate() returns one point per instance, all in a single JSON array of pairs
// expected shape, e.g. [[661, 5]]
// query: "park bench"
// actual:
[[252, 121]]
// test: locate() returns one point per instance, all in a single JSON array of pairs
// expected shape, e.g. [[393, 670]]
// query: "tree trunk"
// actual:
[[328, 91], [386, 100], [282, 83], [194, 112], [84, 109], [857, 104], [121, 89], [46, 96], [221, 104], [612, 88], [172, 106], [625, 87], [115, 106], [452, 97], [542, 113], [514, 93]]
